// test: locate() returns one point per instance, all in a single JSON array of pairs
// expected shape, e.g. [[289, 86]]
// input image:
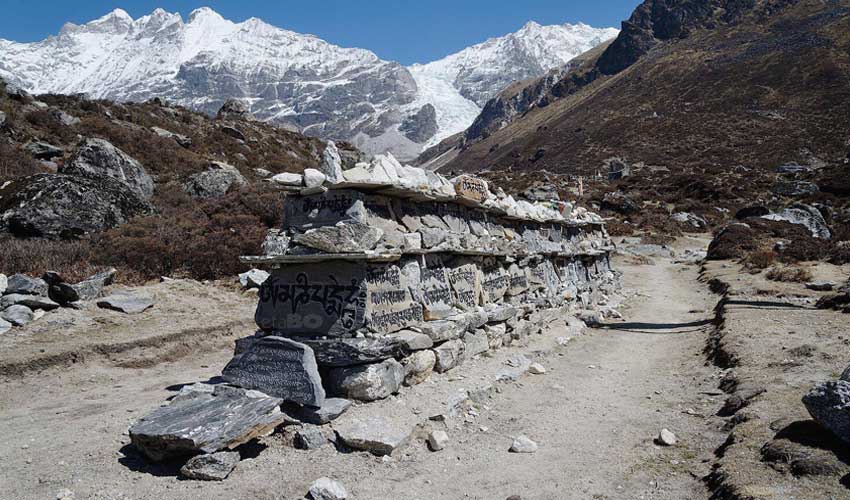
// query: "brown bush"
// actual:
[[72, 259], [759, 259], [789, 274], [15, 163]]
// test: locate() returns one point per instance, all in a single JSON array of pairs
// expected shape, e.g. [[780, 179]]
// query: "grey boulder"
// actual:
[[253, 278], [31, 301], [449, 355], [829, 404], [23, 284], [99, 158], [341, 238], [331, 165], [92, 287], [367, 382], [215, 182], [309, 438], [373, 434], [4, 283], [17, 315], [43, 150], [806, 215], [5, 326], [330, 410], [211, 467], [126, 302], [327, 489]]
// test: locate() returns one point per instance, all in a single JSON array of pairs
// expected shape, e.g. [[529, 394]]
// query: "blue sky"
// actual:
[[401, 30]]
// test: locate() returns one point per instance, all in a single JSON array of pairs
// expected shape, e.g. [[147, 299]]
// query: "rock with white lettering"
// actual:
[[374, 434], [211, 467], [471, 188], [279, 367], [207, 422], [314, 300], [418, 366], [449, 355], [367, 382]]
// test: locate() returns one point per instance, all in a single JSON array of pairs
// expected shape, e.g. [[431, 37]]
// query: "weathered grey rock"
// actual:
[[666, 438], [330, 410], [449, 355], [475, 343], [25, 285], [443, 330], [99, 158], [437, 440], [288, 179], [418, 367], [367, 382], [44, 151], [215, 182], [64, 118], [517, 365], [795, 188], [31, 301], [4, 283], [18, 315], [821, 286], [420, 126], [536, 369], [327, 489], [373, 434], [806, 215], [309, 438], [182, 140], [354, 351], [126, 302], [331, 165], [341, 238], [522, 444], [253, 278], [313, 178], [234, 109], [412, 341], [617, 168], [5, 326], [278, 367], [92, 287], [501, 313], [206, 423], [66, 206], [211, 467], [232, 132], [793, 169], [693, 220], [829, 404]]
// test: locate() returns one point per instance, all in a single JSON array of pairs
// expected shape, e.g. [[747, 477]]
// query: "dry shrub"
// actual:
[[759, 259], [201, 240], [840, 253], [72, 259], [657, 239], [734, 241], [789, 274], [15, 163]]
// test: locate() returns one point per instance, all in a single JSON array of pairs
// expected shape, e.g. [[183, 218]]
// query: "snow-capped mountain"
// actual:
[[287, 77]]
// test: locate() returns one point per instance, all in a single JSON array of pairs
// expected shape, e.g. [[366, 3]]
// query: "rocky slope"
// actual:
[[697, 83], [286, 77]]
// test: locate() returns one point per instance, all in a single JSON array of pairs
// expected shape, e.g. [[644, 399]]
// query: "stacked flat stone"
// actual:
[[394, 260]]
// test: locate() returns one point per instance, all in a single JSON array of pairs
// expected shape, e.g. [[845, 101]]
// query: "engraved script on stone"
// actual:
[[434, 289], [466, 285], [389, 304], [471, 188]]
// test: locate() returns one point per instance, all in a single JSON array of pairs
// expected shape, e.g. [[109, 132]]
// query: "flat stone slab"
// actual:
[[129, 303], [373, 434], [206, 422], [278, 367], [355, 351], [212, 467], [330, 410], [31, 301]]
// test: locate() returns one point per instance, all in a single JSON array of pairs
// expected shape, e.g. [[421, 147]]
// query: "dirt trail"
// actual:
[[593, 414]]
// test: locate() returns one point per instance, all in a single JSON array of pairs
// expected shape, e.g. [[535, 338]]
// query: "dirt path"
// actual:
[[594, 414]]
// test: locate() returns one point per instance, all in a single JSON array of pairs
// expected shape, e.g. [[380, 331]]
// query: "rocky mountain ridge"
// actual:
[[285, 77]]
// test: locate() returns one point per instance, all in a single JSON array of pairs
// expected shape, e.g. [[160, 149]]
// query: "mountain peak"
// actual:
[[204, 13]]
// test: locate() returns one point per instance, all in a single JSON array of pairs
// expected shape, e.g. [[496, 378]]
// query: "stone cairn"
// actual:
[[381, 275]]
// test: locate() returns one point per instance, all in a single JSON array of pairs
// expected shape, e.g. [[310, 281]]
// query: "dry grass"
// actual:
[[789, 274]]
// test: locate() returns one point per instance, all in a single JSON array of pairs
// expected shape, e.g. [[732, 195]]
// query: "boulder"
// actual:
[[233, 132], [821, 286], [418, 367], [276, 242], [25, 285], [17, 93], [31, 301], [92, 287], [214, 182], [444, 329], [313, 178], [309, 438], [44, 151], [412, 341], [793, 169], [522, 444], [279, 367], [475, 343], [211, 467], [806, 215], [689, 219], [437, 440], [288, 179], [18, 315], [619, 203], [253, 278], [367, 382], [182, 140], [5, 326], [126, 302], [327, 489], [341, 238], [373, 434], [449, 355], [829, 404], [206, 422], [66, 206], [330, 410], [234, 109], [795, 188], [99, 158], [331, 165]]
